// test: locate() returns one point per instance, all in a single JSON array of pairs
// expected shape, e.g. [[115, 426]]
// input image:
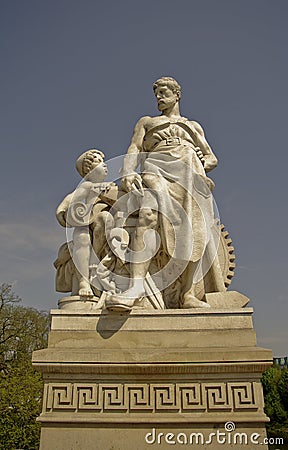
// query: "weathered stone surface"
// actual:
[[226, 300], [77, 303], [114, 437], [112, 378]]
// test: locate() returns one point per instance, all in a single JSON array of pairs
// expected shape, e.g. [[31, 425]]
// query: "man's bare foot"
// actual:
[[126, 300], [190, 301], [118, 302], [133, 293], [119, 305], [85, 289]]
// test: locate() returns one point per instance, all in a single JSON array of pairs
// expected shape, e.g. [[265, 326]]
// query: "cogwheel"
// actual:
[[226, 254]]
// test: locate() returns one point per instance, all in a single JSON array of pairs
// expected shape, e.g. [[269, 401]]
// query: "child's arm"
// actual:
[[80, 194], [62, 209]]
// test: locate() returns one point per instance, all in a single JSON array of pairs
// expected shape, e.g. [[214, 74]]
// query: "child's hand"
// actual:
[[61, 217]]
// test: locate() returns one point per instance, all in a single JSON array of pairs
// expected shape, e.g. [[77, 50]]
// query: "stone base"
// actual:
[[149, 378], [77, 303], [157, 436]]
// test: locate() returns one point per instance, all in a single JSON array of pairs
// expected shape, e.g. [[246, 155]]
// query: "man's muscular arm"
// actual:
[[129, 176], [210, 160]]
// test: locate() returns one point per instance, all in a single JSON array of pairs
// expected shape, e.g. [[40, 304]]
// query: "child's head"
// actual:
[[89, 160]]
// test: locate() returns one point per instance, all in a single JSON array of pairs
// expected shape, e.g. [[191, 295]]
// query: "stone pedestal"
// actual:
[[148, 379]]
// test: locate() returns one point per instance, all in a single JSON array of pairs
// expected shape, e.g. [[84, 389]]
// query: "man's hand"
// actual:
[[132, 182], [209, 162], [200, 154]]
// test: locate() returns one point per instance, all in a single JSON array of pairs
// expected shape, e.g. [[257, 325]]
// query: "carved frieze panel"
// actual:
[[152, 397]]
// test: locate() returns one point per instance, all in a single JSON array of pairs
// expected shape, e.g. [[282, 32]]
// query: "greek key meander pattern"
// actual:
[[152, 397]]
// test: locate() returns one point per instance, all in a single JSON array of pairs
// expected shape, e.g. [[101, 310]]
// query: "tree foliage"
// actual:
[[22, 330], [283, 388], [275, 387]]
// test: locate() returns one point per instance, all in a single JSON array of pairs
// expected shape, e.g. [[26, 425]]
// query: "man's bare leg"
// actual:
[[189, 298], [144, 246]]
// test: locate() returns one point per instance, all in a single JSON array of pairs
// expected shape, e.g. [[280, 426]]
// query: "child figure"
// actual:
[[84, 210]]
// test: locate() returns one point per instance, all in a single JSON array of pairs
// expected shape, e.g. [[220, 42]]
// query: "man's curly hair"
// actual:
[[170, 82]]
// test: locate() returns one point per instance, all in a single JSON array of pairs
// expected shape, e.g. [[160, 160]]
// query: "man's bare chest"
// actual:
[[158, 121]]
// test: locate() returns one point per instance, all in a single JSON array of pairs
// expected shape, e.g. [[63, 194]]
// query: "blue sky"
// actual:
[[76, 75]]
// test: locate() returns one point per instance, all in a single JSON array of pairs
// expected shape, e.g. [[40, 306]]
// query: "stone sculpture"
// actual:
[[154, 242], [85, 210], [150, 340]]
